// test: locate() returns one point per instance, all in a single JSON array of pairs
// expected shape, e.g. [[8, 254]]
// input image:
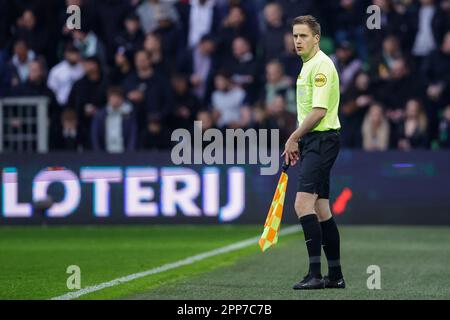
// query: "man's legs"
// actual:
[[304, 207], [330, 240]]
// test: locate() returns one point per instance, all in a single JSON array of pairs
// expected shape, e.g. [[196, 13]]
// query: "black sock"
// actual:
[[313, 239], [331, 247]]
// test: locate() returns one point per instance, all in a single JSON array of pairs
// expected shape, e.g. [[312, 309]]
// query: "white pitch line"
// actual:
[[169, 266]]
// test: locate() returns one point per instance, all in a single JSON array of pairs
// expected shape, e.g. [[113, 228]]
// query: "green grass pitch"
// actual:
[[414, 262]]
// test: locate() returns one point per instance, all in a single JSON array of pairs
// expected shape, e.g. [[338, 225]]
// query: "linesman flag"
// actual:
[[273, 220]]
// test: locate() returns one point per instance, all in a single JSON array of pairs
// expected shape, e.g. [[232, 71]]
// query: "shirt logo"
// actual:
[[320, 80]]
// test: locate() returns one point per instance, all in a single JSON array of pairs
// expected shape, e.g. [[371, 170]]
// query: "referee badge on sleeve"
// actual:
[[320, 80]]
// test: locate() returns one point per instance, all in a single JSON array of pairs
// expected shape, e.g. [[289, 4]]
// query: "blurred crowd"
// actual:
[[137, 70]]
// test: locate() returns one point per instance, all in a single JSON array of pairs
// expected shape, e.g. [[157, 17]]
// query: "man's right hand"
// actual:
[[291, 152], [136, 96]]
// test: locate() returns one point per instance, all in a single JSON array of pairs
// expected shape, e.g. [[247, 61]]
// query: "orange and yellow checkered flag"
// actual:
[[273, 220]]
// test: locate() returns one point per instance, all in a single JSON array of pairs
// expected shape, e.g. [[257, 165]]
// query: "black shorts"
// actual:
[[318, 152]]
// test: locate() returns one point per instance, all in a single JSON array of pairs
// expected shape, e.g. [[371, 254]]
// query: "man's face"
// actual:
[[20, 49], [240, 47], [206, 47], [272, 14], [115, 101], [132, 26], [91, 68], [274, 73], [35, 72], [73, 57], [236, 17], [446, 43], [399, 69], [304, 40], [221, 83], [142, 61], [447, 113]]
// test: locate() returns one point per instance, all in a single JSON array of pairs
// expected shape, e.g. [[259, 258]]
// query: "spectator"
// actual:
[[437, 73], [200, 64], [154, 136], [65, 74], [426, 37], [381, 64], [35, 86], [394, 20], [148, 90], [228, 103], [114, 127], [445, 17], [20, 62], [110, 16], [395, 91], [261, 118], [198, 18], [277, 83], [88, 94], [206, 118], [89, 20], [168, 32], [122, 67], [28, 31], [375, 130], [355, 103], [6, 73], [148, 11], [67, 136], [272, 40], [160, 62], [186, 104], [244, 68], [347, 64], [413, 129], [131, 38], [350, 25], [444, 129], [234, 25], [89, 44], [4, 23]]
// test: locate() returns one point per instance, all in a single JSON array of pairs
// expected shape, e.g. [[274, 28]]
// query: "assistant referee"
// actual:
[[315, 144]]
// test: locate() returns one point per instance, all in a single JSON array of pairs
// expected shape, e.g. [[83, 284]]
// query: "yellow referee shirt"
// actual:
[[318, 86]]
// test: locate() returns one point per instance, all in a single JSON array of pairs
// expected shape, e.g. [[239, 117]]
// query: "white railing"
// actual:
[[24, 124]]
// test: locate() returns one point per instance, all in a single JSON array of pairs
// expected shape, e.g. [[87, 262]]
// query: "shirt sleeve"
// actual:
[[322, 81]]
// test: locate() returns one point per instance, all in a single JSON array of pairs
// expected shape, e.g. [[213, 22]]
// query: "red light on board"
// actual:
[[341, 201]]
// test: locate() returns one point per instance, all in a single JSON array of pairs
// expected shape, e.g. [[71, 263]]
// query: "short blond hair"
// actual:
[[310, 21]]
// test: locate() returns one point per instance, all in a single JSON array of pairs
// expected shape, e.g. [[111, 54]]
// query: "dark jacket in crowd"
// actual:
[[186, 67], [157, 95], [84, 92], [252, 68], [98, 133], [184, 11], [272, 42], [419, 140], [59, 142], [436, 69]]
